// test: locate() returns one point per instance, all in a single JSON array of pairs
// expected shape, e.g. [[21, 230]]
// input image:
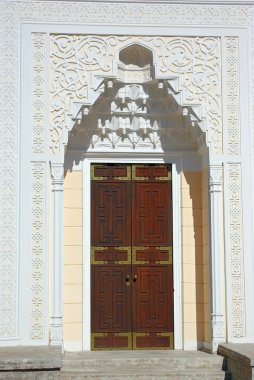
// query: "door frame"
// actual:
[[133, 158]]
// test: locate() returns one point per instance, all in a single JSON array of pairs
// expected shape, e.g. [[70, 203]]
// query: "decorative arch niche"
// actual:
[[190, 65], [116, 100], [135, 109], [136, 55]]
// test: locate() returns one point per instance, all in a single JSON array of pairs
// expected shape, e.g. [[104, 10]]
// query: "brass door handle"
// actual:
[[135, 278], [127, 280]]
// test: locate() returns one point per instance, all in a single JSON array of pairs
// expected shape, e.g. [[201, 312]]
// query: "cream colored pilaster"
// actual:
[[217, 314], [56, 320]]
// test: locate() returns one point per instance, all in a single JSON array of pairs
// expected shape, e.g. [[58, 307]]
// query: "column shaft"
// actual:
[[216, 260], [56, 323]]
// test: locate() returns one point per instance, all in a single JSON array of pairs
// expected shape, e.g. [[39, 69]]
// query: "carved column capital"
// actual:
[[57, 176], [215, 178]]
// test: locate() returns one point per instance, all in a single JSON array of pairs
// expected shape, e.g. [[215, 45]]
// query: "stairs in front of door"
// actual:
[[147, 364]]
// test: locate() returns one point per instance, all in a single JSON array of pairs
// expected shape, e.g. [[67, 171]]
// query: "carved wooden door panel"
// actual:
[[131, 255], [111, 257], [152, 257]]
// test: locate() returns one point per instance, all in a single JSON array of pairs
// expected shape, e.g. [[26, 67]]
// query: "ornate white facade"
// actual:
[[77, 86]]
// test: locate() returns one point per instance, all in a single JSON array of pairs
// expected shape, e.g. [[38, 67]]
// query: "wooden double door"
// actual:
[[131, 257]]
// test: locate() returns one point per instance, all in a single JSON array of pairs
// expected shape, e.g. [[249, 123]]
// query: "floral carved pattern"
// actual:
[[233, 96], [73, 60], [236, 249], [38, 249], [9, 164], [195, 61], [39, 42]]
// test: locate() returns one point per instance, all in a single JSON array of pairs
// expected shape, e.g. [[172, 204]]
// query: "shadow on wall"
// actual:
[[196, 226]]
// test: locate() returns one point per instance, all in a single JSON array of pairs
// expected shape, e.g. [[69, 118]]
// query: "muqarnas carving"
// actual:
[[187, 68]]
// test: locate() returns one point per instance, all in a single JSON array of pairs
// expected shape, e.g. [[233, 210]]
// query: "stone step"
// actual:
[[30, 375], [170, 360], [152, 365], [189, 374], [179, 364]]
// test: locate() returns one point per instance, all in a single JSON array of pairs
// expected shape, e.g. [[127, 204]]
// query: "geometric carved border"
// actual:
[[38, 250], [236, 250], [234, 131], [9, 154], [39, 83]]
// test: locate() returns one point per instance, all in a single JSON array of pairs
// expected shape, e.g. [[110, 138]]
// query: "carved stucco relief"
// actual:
[[9, 164], [236, 250], [155, 14], [38, 305], [39, 83], [72, 12], [234, 131], [196, 61]]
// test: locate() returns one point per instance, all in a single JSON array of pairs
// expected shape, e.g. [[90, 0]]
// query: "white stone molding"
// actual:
[[9, 166], [145, 158], [216, 255], [13, 16], [38, 305], [135, 116], [236, 250], [194, 64], [56, 320], [234, 131], [39, 83], [210, 2], [251, 47], [177, 252]]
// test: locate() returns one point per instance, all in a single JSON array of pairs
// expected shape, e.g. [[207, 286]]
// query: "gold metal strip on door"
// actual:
[[128, 261], [162, 334], [128, 175], [162, 262], [171, 339], [134, 255], [103, 335], [124, 178], [137, 335], [170, 255], [136, 178], [96, 335], [129, 336], [94, 249], [93, 260], [165, 178], [93, 177]]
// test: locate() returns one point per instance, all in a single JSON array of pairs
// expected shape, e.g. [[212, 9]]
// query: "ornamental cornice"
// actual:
[[164, 2], [210, 2], [133, 13]]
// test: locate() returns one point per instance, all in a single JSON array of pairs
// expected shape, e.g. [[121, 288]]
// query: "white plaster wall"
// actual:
[[24, 99]]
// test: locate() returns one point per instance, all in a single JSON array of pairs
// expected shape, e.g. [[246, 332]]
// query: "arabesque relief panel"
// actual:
[[194, 61]]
